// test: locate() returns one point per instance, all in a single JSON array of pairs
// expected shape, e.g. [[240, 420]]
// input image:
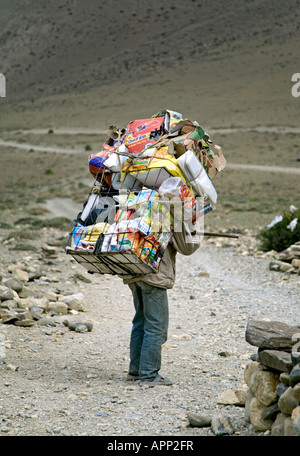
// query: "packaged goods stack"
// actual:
[[147, 177]]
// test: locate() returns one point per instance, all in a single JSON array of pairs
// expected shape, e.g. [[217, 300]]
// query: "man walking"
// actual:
[[151, 319]]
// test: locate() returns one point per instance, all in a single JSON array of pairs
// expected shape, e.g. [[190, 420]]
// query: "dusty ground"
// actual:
[[58, 382], [229, 69]]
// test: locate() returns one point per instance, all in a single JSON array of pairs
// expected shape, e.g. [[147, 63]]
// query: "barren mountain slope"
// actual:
[[98, 59]]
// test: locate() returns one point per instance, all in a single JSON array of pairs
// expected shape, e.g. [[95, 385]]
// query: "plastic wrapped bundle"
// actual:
[[196, 176]]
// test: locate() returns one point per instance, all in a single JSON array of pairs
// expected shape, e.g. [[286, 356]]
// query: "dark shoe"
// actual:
[[158, 380], [132, 377]]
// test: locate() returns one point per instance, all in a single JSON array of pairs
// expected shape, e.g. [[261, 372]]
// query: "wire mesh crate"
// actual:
[[114, 234]]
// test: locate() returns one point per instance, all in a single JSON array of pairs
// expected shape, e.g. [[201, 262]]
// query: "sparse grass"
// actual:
[[23, 234], [37, 223], [5, 226], [24, 247]]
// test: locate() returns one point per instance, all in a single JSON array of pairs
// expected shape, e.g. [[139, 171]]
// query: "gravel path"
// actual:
[[59, 382]]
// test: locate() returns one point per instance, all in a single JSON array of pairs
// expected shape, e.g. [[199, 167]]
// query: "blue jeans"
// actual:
[[149, 329]]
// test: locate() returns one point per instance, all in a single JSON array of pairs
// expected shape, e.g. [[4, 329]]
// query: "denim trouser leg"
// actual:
[[149, 329]]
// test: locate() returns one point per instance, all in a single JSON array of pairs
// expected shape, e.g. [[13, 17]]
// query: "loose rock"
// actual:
[[58, 307], [287, 401], [221, 425], [14, 284], [6, 293], [74, 301], [233, 397], [80, 326], [198, 420]]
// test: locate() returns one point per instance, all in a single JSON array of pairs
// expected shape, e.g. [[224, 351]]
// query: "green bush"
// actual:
[[279, 237]]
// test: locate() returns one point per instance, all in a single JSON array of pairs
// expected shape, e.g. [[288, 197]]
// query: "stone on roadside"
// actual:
[[58, 307], [22, 275], [50, 251], [256, 416], [288, 428], [24, 318], [11, 367], [8, 316], [250, 369], [272, 335], [296, 263], [27, 322], [295, 413], [295, 375], [34, 302], [297, 392], [36, 312], [284, 378], [74, 301], [235, 396], [6, 293], [14, 284], [26, 292], [222, 425], [9, 304], [46, 321], [281, 388], [297, 426], [263, 385], [275, 265], [276, 359], [80, 326], [35, 273], [13, 267], [197, 420], [287, 401], [277, 428], [51, 295]]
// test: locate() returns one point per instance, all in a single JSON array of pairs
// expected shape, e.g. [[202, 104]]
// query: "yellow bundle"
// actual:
[[91, 233], [153, 167]]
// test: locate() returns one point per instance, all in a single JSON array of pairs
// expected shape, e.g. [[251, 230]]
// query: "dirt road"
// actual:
[[58, 382]]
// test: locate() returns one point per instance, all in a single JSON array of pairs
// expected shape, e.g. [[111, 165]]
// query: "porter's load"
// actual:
[[153, 167], [115, 161], [119, 182], [151, 163], [97, 161], [143, 133], [85, 237], [175, 188], [197, 176], [188, 135]]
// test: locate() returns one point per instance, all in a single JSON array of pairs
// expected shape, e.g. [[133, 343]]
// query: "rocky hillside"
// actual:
[[67, 46]]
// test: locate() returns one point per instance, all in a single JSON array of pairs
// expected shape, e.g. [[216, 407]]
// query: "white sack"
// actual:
[[197, 176]]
